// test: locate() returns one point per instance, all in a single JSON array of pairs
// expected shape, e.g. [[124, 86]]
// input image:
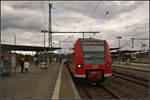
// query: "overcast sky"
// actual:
[[26, 19]]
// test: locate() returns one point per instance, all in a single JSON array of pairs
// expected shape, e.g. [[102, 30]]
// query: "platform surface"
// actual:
[[143, 67], [38, 84]]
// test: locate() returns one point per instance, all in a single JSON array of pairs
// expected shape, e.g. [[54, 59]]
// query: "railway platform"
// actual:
[[136, 66], [139, 71], [53, 83]]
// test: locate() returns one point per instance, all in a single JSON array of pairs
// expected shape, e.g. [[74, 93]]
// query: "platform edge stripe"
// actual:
[[56, 91], [77, 96]]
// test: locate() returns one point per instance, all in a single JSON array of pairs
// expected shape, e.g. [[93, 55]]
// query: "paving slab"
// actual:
[[68, 89], [35, 84], [39, 84]]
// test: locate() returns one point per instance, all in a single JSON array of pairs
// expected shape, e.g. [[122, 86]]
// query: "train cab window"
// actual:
[[93, 48], [94, 54]]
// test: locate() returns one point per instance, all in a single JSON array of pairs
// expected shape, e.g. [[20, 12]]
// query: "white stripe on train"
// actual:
[[83, 76]]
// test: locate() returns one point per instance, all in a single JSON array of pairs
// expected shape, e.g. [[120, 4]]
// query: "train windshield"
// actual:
[[94, 53]]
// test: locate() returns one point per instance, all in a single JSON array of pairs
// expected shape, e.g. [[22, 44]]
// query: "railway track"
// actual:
[[96, 92], [131, 74], [131, 79], [108, 91], [146, 62], [93, 91]]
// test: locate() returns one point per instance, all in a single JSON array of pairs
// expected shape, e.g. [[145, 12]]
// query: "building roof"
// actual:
[[125, 51], [26, 48]]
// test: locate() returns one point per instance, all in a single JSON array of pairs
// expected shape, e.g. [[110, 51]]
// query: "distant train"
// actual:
[[91, 59]]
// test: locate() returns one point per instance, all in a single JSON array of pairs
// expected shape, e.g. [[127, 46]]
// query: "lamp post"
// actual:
[[15, 41], [44, 31], [119, 38], [0, 45], [59, 47]]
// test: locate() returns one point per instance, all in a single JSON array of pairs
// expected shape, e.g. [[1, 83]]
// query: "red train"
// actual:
[[91, 59]]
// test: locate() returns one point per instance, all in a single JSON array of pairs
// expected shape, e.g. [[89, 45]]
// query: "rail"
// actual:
[[99, 92], [131, 79]]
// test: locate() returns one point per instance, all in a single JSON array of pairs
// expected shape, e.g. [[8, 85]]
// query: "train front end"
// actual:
[[92, 59]]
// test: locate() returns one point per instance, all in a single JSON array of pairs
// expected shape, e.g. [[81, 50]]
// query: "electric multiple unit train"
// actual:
[[91, 59]]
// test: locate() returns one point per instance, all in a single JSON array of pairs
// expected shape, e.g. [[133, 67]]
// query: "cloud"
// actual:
[[26, 19], [23, 19]]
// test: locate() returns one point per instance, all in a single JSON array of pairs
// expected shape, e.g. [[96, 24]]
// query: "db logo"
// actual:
[[95, 66]]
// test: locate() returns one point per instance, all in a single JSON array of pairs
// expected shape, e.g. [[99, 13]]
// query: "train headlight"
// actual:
[[79, 66], [108, 65]]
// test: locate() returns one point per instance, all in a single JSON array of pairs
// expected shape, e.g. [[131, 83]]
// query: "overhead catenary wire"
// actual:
[[91, 14], [44, 14], [86, 21], [65, 39], [83, 16], [93, 11], [44, 25]]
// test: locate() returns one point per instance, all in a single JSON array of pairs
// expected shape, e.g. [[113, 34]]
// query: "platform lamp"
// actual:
[[119, 38], [44, 31]]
